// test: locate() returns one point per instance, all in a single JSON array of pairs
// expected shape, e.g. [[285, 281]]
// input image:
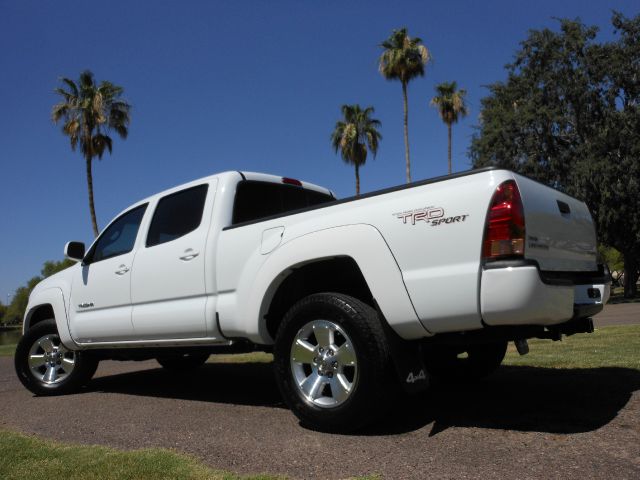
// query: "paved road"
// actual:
[[618, 314], [520, 423]]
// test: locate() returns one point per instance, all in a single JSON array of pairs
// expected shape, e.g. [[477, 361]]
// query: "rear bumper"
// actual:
[[519, 294]]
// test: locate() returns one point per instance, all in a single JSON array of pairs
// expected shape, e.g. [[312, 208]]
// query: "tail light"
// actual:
[[505, 233]]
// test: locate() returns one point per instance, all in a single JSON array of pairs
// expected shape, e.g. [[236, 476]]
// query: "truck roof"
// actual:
[[227, 176]]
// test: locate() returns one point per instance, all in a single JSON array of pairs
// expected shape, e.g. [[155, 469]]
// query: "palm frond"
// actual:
[[86, 80], [89, 110], [71, 84], [59, 111], [356, 133], [450, 102], [100, 142], [403, 57]]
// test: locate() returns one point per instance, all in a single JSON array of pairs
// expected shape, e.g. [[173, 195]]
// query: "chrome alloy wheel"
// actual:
[[49, 361], [324, 363]]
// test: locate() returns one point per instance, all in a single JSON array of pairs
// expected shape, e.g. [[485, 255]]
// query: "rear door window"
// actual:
[[176, 215]]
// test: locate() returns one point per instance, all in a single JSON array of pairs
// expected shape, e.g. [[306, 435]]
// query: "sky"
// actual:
[[242, 85]]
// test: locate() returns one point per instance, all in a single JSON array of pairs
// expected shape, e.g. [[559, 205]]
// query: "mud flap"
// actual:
[[408, 362]]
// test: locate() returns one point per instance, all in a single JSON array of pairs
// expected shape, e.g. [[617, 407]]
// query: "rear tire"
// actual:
[[46, 367], [182, 362], [464, 363], [332, 362]]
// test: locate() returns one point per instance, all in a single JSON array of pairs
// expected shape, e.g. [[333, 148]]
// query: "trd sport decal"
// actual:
[[433, 215]]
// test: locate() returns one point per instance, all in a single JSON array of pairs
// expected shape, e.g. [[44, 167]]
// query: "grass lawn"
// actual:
[[7, 350], [614, 346], [254, 357], [29, 458]]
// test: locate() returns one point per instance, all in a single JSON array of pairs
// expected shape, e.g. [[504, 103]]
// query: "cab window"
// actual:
[[119, 238]]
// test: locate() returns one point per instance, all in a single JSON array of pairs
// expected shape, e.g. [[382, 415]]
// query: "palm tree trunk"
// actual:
[[92, 208], [449, 128], [357, 179], [406, 130]]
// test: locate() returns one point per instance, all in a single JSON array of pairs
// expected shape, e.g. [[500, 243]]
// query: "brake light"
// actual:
[[504, 234], [291, 181]]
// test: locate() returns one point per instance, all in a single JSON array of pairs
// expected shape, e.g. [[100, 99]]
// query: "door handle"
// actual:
[[122, 269], [190, 255]]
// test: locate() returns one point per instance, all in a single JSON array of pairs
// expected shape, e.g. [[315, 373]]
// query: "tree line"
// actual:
[[14, 312], [568, 115]]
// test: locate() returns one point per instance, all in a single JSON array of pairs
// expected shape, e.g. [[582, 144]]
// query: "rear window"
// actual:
[[256, 200]]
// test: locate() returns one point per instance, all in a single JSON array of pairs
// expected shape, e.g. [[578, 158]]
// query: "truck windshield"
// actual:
[[255, 200]]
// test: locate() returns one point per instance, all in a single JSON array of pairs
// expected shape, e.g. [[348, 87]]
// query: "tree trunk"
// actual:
[[630, 275], [449, 128], [357, 179], [92, 208], [406, 130]]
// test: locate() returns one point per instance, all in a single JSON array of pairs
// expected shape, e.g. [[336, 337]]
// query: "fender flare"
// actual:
[[361, 242], [52, 296]]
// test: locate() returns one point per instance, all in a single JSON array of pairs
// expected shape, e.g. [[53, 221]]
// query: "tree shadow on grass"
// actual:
[[561, 401]]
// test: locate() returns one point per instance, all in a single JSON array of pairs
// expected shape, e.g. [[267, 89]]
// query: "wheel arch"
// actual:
[[359, 247], [47, 304], [37, 314], [339, 274]]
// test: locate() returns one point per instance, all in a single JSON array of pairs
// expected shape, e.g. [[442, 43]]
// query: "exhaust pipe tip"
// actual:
[[522, 346]]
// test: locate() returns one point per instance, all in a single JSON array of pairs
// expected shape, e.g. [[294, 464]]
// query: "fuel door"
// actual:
[[271, 238]]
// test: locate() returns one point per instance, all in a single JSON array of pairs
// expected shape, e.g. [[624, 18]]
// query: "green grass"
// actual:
[[7, 350], [253, 357], [614, 346], [29, 458]]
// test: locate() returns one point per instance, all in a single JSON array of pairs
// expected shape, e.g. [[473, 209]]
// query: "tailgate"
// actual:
[[560, 232]]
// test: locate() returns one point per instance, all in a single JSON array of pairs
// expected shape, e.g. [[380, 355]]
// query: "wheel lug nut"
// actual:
[[335, 364], [321, 349], [315, 359], [330, 352]]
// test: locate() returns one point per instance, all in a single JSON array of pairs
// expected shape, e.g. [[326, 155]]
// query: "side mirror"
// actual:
[[74, 251]]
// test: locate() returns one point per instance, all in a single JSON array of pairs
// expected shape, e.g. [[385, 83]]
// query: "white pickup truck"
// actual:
[[354, 296]]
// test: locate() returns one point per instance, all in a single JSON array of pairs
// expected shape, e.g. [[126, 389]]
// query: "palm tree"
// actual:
[[403, 59], [353, 135], [89, 112], [450, 103]]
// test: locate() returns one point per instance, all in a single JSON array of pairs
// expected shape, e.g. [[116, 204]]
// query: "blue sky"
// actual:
[[232, 85]]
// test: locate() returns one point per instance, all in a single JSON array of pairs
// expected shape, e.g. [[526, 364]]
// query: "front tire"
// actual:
[[46, 367], [332, 362]]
